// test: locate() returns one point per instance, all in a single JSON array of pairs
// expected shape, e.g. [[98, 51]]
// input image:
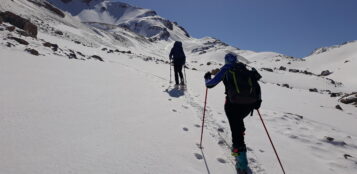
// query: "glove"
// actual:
[[257, 104], [208, 76]]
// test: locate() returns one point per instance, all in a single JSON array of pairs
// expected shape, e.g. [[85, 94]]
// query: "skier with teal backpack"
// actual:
[[243, 95]]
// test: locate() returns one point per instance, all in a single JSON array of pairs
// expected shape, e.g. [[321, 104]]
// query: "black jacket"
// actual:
[[177, 54]]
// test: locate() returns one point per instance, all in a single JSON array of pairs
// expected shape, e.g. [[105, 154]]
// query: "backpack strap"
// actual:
[[235, 81], [250, 84]]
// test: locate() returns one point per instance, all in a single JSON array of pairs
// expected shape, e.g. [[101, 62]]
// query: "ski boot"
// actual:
[[241, 161], [183, 85]]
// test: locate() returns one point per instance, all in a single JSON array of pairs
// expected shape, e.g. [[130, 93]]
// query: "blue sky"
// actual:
[[291, 27]]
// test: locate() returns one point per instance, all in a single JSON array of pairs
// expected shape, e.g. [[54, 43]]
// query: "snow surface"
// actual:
[[81, 115]]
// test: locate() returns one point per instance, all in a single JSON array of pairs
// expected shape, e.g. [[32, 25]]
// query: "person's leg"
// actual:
[[237, 126], [180, 73], [176, 70], [235, 114]]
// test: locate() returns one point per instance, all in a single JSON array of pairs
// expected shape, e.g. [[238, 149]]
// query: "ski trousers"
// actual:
[[178, 72], [235, 114]]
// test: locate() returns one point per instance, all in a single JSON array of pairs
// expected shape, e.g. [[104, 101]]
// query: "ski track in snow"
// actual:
[[216, 130], [291, 125]]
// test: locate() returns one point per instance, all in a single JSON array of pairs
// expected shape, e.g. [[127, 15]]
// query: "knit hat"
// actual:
[[230, 58]]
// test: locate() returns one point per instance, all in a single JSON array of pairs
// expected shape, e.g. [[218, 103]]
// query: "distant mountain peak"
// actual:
[[144, 22], [326, 49]]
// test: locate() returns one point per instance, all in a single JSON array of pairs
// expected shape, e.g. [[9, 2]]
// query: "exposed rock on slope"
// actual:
[[349, 98], [19, 22], [49, 7]]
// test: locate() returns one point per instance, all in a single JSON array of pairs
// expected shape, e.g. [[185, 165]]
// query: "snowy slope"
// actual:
[[340, 60], [75, 114]]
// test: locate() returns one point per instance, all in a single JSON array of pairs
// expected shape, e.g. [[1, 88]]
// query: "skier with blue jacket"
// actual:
[[242, 97]]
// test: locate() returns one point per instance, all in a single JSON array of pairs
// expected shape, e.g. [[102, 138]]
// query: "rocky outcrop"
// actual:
[[349, 98], [325, 73], [18, 40], [183, 29], [282, 68], [208, 45], [168, 24], [307, 72], [294, 70], [338, 107], [96, 57], [32, 51], [59, 32], [72, 55], [51, 45], [335, 94], [8, 44], [20, 22], [286, 85], [54, 10], [313, 90], [267, 69], [164, 35], [10, 28], [49, 7]]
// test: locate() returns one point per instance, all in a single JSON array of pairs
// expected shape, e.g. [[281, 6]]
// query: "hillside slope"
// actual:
[[340, 60]]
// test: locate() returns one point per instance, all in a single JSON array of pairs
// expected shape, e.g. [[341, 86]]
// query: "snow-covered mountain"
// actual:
[[142, 21], [325, 49], [339, 60], [91, 96]]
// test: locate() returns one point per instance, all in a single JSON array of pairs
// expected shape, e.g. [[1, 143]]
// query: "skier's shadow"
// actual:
[[175, 92]]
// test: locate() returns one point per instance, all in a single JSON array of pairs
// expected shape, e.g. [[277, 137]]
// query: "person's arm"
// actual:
[[184, 57], [171, 54], [210, 83]]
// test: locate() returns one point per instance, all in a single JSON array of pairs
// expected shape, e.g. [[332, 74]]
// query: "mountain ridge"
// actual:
[[145, 22], [327, 48]]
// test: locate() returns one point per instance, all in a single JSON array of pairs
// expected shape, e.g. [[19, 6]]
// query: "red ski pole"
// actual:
[[271, 142], [203, 119]]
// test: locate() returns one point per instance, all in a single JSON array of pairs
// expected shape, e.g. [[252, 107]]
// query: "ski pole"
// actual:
[[184, 71], [271, 142], [170, 71], [203, 119]]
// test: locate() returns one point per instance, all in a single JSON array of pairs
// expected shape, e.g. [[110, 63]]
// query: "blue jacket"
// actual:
[[210, 83]]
